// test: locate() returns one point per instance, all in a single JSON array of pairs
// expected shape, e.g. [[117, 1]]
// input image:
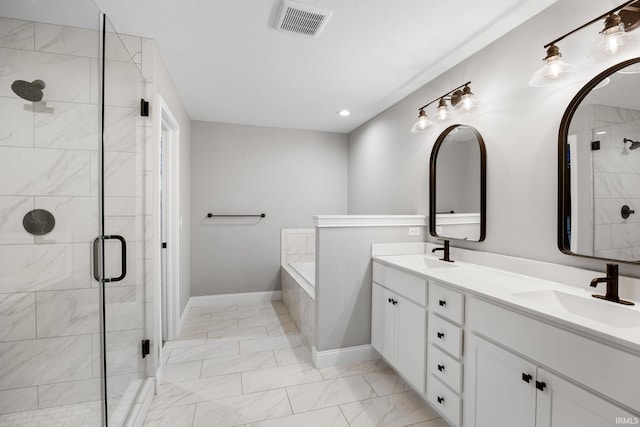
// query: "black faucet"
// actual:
[[612, 285], [446, 252]]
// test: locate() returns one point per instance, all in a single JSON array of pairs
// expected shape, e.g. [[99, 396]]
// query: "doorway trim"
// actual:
[[169, 128]]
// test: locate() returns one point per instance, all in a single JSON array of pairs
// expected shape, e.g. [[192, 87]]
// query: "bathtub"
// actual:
[[307, 270]]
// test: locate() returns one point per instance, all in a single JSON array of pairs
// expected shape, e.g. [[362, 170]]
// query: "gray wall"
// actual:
[[343, 282], [519, 124], [290, 175], [162, 84]]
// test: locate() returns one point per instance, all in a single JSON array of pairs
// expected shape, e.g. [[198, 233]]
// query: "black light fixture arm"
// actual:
[[604, 15], [443, 96]]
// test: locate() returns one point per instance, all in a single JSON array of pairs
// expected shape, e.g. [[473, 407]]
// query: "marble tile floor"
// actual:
[[247, 365]]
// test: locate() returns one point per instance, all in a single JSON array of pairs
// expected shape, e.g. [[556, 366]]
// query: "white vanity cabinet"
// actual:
[[398, 322], [486, 361], [506, 389], [445, 339]]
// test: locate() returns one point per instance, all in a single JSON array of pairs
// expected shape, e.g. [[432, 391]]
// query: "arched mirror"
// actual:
[[457, 185], [599, 168]]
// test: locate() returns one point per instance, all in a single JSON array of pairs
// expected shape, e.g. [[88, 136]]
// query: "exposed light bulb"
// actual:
[[442, 112], [554, 69], [344, 113], [422, 124], [614, 39], [467, 98]]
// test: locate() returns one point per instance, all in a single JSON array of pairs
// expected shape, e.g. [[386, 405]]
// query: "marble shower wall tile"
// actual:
[[120, 129], [123, 352], [44, 267], [67, 78], [67, 40], [16, 34], [17, 316], [18, 400], [123, 48], [16, 122], [123, 80], [32, 171], [76, 219], [29, 363], [120, 172], [68, 393], [64, 313], [12, 211], [605, 113], [119, 206], [69, 125], [124, 306]]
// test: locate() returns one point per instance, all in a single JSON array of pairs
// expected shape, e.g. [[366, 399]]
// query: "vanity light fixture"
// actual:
[[618, 22], [459, 98]]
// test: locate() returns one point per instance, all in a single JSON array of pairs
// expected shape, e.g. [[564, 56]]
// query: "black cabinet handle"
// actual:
[[389, 300], [395, 302], [540, 385], [440, 399], [440, 335], [526, 377], [440, 368], [442, 303]]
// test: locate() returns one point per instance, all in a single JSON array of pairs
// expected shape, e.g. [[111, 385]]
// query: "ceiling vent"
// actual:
[[302, 19]]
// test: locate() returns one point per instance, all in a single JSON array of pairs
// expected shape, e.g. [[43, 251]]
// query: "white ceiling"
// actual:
[[230, 65]]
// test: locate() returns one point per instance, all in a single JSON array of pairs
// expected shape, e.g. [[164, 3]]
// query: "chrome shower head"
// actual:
[[28, 91]]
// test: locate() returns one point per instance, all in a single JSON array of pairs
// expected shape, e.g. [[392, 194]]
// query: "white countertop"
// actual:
[[503, 287]]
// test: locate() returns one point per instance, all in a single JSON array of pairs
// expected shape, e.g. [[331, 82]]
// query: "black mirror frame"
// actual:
[[564, 193], [483, 182]]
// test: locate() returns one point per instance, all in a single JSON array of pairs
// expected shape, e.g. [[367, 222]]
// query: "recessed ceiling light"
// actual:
[[601, 133], [344, 113]]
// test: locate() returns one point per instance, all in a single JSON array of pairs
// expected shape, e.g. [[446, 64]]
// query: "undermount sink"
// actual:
[[436, 263], [609, 313]]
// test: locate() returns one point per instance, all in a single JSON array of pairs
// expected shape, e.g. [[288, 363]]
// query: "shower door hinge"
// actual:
[[164, 245], [595, 145], [144, 108], [146, 348]]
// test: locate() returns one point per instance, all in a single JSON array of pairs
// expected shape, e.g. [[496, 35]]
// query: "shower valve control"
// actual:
[[626, 211]]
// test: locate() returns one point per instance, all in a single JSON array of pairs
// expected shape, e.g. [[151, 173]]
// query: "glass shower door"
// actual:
[[123, 220]]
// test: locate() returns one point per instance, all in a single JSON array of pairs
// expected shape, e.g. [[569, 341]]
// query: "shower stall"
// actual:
[[75, 299]]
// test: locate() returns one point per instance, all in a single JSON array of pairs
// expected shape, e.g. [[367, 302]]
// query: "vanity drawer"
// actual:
[[446, 302], [445, 335], [444, 400], [445, 368], [407, 285]]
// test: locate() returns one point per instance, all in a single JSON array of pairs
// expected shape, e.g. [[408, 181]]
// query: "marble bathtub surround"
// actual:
[[297, 244], [276, 385], [300, 304]]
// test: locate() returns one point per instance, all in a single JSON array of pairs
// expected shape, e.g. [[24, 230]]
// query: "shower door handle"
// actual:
[[123, 271]]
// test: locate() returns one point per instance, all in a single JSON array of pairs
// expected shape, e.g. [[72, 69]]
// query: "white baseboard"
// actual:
[[238, 298], [343, 356]]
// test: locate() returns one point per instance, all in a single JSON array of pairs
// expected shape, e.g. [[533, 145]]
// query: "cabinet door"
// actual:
[[499, 394], [411, 341], [561, 403], [382, 322]]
